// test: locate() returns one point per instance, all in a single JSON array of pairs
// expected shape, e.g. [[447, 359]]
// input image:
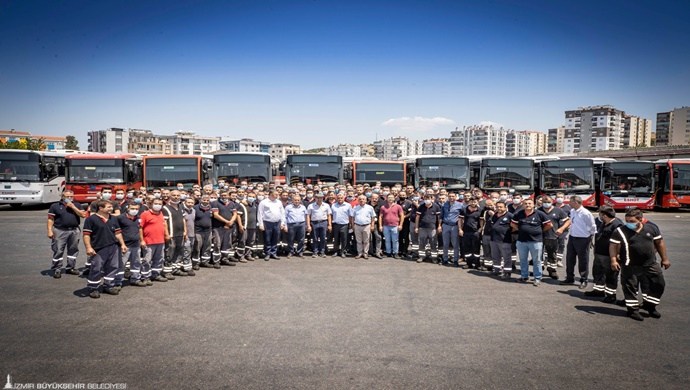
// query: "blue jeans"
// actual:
[[318, 241], [271, 236], [296, 233], [525, 249], [390, 234]]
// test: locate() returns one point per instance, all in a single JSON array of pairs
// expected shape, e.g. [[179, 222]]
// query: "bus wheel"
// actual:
[[15, 205]]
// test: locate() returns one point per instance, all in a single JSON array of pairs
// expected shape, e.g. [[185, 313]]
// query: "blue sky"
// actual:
[[318, 73]]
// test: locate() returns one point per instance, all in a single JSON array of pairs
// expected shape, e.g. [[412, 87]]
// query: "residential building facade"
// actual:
[[112, 140], [478, 141], [244, 145], [555, 140], [345, 150], [438, 146], [395, 148], [281, 151], [188, 142], [673, 127], [636, 131], [593, 128]]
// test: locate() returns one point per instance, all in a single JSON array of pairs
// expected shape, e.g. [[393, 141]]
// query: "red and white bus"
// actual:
[[88, 173], [625, 184], [674, 183]]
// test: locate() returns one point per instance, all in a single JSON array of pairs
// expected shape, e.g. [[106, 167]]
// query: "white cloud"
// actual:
[[490, 123], [417, 123]]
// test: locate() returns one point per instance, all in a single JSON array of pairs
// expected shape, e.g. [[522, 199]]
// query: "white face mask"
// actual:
[[119, 196], [559, 200], [517, 201], [133, 212], [428, 202], [547, 205], [175, 201], [106, 196], [157, 207]]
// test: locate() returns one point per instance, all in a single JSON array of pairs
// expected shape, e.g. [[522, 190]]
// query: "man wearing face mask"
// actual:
[[605, 278], [190, 216], [174, 216], [470, 225], [246, 243], [157, 193], [560, 203], [153, 238], [130, 225], [203, 223], [118, 201], [404, 234], [450, 216], [530, 224], [64, 219], [271, 221], [224, 215], [340, 212], [106, 193], [501, 240], [180, 187], [427, 226], [129, 198], [295, 218], [487, 212], [633, 252], [560, 222], [318, 223]]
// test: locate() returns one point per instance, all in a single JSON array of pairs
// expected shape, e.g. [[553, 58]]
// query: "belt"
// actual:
[[363, 224], [450, 224], [296, 223], [323, 220], [66, 228]]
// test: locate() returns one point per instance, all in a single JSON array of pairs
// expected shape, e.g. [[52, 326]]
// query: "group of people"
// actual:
[[154, 236]]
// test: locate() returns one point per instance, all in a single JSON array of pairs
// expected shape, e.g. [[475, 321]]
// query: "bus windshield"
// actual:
[[373, 172], [167, 172], [519, 178], [311, 173], [451, 176], [681, 178], [19, 166], [243, 167], [557, 177], [630, 178], [96, 171]]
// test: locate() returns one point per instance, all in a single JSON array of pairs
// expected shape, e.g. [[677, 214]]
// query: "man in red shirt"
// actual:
[[153, 238], [391, 220]]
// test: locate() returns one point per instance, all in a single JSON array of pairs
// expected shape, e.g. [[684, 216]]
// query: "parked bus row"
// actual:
[[31, 177]]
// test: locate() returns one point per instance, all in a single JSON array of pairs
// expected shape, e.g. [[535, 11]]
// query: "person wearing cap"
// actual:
[[318, 222], [64, 219]]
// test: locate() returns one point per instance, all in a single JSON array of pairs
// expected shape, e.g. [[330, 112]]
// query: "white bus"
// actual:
[[31, 177]]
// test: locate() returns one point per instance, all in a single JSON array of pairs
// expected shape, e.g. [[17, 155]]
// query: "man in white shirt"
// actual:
[[582, 231], [363, 221], [271, 220]]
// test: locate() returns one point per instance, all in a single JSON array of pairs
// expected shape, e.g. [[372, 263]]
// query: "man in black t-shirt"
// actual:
[[427, 225], [203, 219], [102, 237], [605, 279], [470, 226], [501, 241], [64, 218], [130, 225], [633, 251], [560, 221], [224, 214], [530, 225]]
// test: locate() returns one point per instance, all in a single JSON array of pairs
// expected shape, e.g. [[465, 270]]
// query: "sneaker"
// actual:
[[365, 257], [322, 255], [226, 262], [95, 294], [57, 274], [139, 283], [536, 282], [216, 265], [559, 264], [250, 258], [583, 285], [195, 267], [395, 256], [464, 265], [653, 313], [610, 299], [301, 256], [242, 260], [169, 276], [118, 287], [343, 255], [160, 278], [420, 260], [111, 291], [313, 255], [191, 272], [275, 257], [180, 273], [267, 258], [289, 256], [522, 280], [148, 282], [635, 315], [72, 271], [358, 256], [594, 293], [206, 265], [567, 282], [379, 256]]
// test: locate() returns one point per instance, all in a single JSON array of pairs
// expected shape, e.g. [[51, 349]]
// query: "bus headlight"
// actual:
[[673, 201]]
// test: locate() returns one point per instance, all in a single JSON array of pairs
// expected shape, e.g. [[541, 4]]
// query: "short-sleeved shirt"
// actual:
[[295, 214], [341, 213], [318, 213], [428, 216], [450, 213], [102, 231], [409, 208], [175, 220], [363, 215], [190, 216], [64, 217], [637, 249], [486, 217], [558, 218], [530, 227], [391, 214], [225, 210], [470, 223], [602, 239], [153, 227], [250, 216], [203, 218], [130, 229], [500, 228], [513, 209]]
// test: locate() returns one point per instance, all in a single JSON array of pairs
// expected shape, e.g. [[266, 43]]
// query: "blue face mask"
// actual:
[[67, 200], [250, 200], [461, 197], [631, 226], [137, 200], [368, 194]]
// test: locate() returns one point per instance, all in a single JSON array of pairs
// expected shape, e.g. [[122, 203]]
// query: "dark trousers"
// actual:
[[634, 276], [250, 245], [223, 239], [65, 239], [296, 233], [104, 265], [471, 243], [578, 252], [404, 237], [550, 250], [271, 237], [202, 248], [174, 251], [318, 231], [605, 279], [376, 242], [339, 238]]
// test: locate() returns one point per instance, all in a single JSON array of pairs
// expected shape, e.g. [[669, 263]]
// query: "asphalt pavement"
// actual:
[[332, 323]]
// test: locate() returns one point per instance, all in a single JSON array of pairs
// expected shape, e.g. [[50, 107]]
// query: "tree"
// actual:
[[72, 143], [24, 144]]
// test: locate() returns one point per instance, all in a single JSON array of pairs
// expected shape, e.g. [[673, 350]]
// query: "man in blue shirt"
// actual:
[[341, 221], [450, 215], [295, 217]]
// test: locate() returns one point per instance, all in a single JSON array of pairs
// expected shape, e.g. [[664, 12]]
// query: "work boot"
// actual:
[[160, 278], [169, 276], [95, 294], [191, 273], [138, 283], [111, 291], [57, 274], [148, 282], [635, 314], [72, 271]]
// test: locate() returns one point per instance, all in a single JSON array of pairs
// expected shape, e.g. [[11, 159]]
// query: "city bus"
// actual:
[[314, 169], [674, 183], [625, 184], [31, 177], [571, 176], [452, 173], [165, 171], [88, 173], [235, 167], [511, 174], [371, 171]]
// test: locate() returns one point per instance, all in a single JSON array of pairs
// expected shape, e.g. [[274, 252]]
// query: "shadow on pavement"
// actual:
[[577, 293], [82, 292], [612, 311]]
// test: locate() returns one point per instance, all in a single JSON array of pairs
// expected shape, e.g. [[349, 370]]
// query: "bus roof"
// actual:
[[155, 156], [673, 160], [357, 159], [225, 152], [378, 162], [101, 156], [39, 152]]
